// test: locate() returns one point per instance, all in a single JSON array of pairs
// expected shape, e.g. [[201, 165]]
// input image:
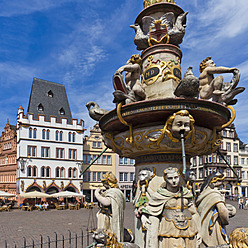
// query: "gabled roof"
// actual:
[[49, 99]]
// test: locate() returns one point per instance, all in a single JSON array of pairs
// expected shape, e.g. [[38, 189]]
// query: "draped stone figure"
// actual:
[[171, 218], [112, 205], [213, 212]]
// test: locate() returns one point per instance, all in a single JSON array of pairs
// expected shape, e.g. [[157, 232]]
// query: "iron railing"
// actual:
[[71, 240]]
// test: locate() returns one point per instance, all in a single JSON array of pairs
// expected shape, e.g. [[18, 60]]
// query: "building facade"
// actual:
[[49, 142], [243, 153], [8, 164], [206, 165], [122, 168]]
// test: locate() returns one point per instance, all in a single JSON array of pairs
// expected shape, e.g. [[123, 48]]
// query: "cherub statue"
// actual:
[[112, 205], [213, 212], [142, 197], [214, 88], [170, 217], [133, 90]]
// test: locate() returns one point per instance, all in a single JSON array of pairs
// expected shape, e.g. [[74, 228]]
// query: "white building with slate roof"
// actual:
[[49, 142]]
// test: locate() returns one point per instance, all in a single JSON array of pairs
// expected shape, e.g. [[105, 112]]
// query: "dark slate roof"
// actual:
[[48, 98]]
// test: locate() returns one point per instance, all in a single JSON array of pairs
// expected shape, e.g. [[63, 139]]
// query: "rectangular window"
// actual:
[[214, 158], [99, 160], [228, 174], [45, 151], [201, 173], [104, 159], [121, 176], [32, 151], [99, 144], [201, 160], [94, 176], [88, 159], [224, 133], [238, 173], [43, 134], [57, 135], [131, 176], [98, 176], [120, 160], [210, 159], [94, 144], [236, 160], [228, 159], [47, 172], [235, 147], [242, 161], [61, 136], [72, 154], [125, 176], [87, 176], [132, 161], [125, 160], [59, 153], [73, 137], [94, 157], [108, 159], [243, 175], [209, 171], [69, 137], [228, 146]]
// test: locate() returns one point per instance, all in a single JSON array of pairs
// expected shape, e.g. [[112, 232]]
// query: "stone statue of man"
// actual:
[[112, 205]]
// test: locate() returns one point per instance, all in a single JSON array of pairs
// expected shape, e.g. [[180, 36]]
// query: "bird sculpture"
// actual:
[[95, 111], [176, 29], [188, 86]]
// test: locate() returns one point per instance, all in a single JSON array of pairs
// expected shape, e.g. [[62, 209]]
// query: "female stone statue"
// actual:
[[112, 205], [171, 217], [213, 212]]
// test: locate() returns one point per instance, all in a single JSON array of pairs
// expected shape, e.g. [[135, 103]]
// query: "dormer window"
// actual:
[[62, 111], [50, 93], [40, 107]]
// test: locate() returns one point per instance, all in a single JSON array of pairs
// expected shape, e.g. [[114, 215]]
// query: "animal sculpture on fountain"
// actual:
[[112, 205], [142, 197], [133, 91], [106, 238], [95, 111], [213, 212], [170, 217], [213, 88], [176, 29], [239, 238], [188, 86]]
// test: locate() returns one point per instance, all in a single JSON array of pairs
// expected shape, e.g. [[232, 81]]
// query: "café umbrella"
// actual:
[[6, 194], [66, 194], [34, 194]]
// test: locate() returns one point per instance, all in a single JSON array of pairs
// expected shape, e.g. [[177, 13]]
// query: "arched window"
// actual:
[[29, 171], [48, 134], [69, 173], [42, 171], [34, 133], [62, 111], [57, 135], [74, 173], [62, 172], [30, 133], [43, 134], [50, 93], [61, 136], [47, 171], [40, 107], [34, 171], [57, 172], [69, 137], [73, 137]]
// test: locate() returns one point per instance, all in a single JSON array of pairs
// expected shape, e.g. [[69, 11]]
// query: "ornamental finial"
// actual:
[[150, 2]]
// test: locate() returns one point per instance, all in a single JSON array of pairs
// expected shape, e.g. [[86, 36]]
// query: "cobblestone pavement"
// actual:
[[17, 224]]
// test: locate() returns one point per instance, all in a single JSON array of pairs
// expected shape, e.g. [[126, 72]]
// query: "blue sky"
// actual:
[[82, 43]]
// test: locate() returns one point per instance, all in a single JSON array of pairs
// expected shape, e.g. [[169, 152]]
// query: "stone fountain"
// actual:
[[162, 120]]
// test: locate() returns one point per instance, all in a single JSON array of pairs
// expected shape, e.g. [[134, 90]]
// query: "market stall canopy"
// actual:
[[34, 194], [67, 194], [6, 194]]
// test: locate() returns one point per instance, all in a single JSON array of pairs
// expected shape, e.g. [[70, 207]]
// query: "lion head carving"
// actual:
[[239, 238]]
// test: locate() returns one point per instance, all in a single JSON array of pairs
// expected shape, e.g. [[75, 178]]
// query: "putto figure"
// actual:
[[171, 217], [213, 212], [214, 88], [133, 90], [112, 205]]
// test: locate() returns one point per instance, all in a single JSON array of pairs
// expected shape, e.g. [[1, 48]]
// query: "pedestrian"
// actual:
[[241, 203], [246, 203]]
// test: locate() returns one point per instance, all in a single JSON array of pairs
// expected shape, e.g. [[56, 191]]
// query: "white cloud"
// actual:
[[24, 7]]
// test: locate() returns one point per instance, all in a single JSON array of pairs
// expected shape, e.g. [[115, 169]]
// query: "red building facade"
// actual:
[[8, 163]]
